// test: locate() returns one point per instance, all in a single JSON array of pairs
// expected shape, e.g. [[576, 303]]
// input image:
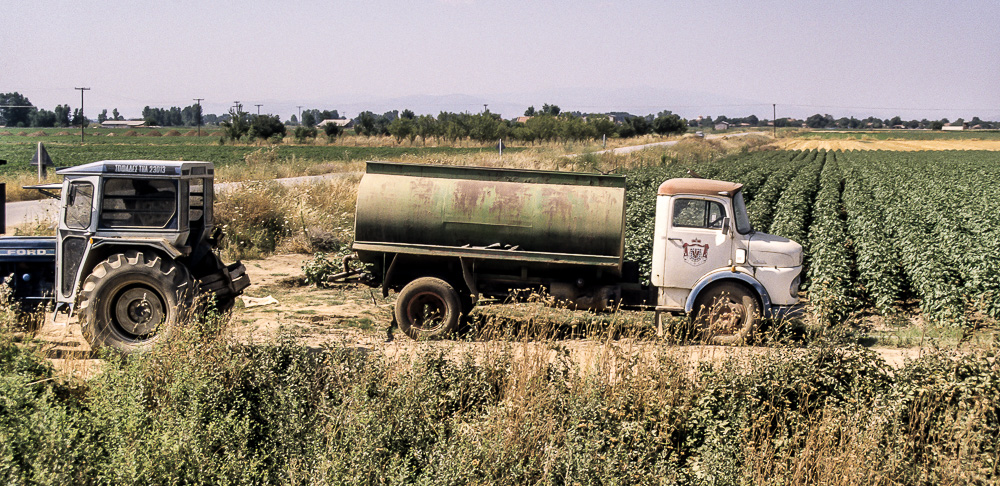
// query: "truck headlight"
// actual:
[[793, 290]]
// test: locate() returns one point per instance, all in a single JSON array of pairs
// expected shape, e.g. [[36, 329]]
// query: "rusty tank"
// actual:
[[504, 210]]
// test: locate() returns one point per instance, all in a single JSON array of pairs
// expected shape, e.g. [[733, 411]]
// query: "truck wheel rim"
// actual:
[[426, 311], [726, 317], [138, 311]]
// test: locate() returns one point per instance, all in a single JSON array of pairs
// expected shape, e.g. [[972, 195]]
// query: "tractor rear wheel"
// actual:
[[131, 301]]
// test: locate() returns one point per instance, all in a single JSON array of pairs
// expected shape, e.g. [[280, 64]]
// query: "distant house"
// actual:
[[721, 126], [957, 128], [340, 122], [523, 119], [123, 123]]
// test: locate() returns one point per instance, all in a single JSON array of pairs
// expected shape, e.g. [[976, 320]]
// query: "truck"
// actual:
[[445, 237], [133, 252]]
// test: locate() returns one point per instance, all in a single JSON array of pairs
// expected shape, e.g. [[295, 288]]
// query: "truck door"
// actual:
[[695, 242], [74, 231]]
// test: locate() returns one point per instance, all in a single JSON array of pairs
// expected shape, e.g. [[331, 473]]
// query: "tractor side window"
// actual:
[[698, 213], [79, 205], [150, 203]]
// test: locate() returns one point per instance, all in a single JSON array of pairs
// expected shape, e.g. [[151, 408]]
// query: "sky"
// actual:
[[917, 59]]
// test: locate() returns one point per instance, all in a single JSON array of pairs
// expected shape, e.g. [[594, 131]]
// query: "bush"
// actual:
[[302, 133], [265, 127], [332, 131]]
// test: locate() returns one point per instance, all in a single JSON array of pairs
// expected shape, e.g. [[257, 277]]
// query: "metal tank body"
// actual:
[[504, 209]]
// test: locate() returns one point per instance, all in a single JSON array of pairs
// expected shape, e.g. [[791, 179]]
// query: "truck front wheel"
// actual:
[[727, 313], [130, 301], [428, 308]]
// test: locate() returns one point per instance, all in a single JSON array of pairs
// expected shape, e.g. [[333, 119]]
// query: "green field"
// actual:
[[67, 151]]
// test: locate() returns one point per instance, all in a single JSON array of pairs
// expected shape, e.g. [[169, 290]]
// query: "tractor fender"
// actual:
[[729, 274], [101, 248], [161, 244]]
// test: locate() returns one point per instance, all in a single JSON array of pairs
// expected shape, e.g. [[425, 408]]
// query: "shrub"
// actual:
[[303, 133]]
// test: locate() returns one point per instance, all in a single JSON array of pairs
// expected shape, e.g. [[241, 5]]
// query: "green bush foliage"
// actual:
[[205, 409]]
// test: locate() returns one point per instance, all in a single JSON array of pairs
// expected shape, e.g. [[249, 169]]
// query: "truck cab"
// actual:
[[710, 263]]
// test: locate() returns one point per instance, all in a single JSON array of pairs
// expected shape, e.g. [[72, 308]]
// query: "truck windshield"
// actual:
[[740, 210]]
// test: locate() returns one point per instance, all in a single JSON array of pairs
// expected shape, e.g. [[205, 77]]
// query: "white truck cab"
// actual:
[[710, 263]]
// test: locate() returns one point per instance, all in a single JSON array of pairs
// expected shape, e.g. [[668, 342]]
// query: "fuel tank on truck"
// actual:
[[521, 210]]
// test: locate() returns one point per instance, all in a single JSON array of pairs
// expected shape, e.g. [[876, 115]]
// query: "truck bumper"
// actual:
[[785, 311]]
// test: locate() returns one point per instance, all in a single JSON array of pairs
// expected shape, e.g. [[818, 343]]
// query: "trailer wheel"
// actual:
[[727, 313], [428, 308], [131, 301]]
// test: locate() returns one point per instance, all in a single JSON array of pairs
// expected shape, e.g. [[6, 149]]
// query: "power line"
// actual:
[[83, 120], [198, 102]]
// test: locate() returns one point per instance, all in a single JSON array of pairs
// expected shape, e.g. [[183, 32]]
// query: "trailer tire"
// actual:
[[428, 308], [129, 302], [727, 313]]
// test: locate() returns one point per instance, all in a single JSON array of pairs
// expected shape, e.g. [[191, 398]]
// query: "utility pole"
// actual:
[[484, 107], [258, 109], [300, 113], [774, 119], [83, 120], [198, 102]]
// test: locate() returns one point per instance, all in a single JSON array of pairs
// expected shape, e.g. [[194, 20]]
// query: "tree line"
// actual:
[[549, 123]]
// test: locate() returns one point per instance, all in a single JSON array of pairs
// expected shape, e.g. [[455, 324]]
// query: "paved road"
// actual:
[[22, 212]]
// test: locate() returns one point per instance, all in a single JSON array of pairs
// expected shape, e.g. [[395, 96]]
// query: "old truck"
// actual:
[[134, 250], [443, 237]]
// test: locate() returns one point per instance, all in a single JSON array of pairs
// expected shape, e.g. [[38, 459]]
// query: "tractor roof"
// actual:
[[701, 187], [153, 168]]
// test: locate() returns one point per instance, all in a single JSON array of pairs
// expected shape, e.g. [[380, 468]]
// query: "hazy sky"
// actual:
[[917, 59]]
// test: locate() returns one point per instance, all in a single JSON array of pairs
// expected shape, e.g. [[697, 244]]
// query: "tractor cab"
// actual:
[[165, 205]]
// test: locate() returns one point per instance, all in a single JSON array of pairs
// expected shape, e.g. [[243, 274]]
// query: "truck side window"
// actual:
[[150, 203], [698, 213], [79, 205]]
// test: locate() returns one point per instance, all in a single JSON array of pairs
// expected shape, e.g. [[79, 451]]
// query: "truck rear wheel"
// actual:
[[131, 301], [428, 308], [727, 313]]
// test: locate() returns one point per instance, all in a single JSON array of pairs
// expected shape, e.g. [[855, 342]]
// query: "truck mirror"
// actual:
[[725, 225]]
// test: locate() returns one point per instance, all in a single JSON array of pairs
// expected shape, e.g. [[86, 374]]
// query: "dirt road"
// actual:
[[356, 317]]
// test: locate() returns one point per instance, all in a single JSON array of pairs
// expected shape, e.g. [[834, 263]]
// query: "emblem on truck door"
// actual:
[[695, 253]]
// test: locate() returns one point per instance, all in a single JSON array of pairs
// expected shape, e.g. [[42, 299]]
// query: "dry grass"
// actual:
[[15, 191]]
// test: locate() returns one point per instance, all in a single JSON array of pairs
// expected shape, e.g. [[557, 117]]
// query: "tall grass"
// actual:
[[259, 218], [207, 408]]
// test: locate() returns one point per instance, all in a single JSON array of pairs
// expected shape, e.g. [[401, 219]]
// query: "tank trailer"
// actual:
[[133, 251], [444, 237]]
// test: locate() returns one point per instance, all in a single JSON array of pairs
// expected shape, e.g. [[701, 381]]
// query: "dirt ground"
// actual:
[[897, 145], [358, 317]]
